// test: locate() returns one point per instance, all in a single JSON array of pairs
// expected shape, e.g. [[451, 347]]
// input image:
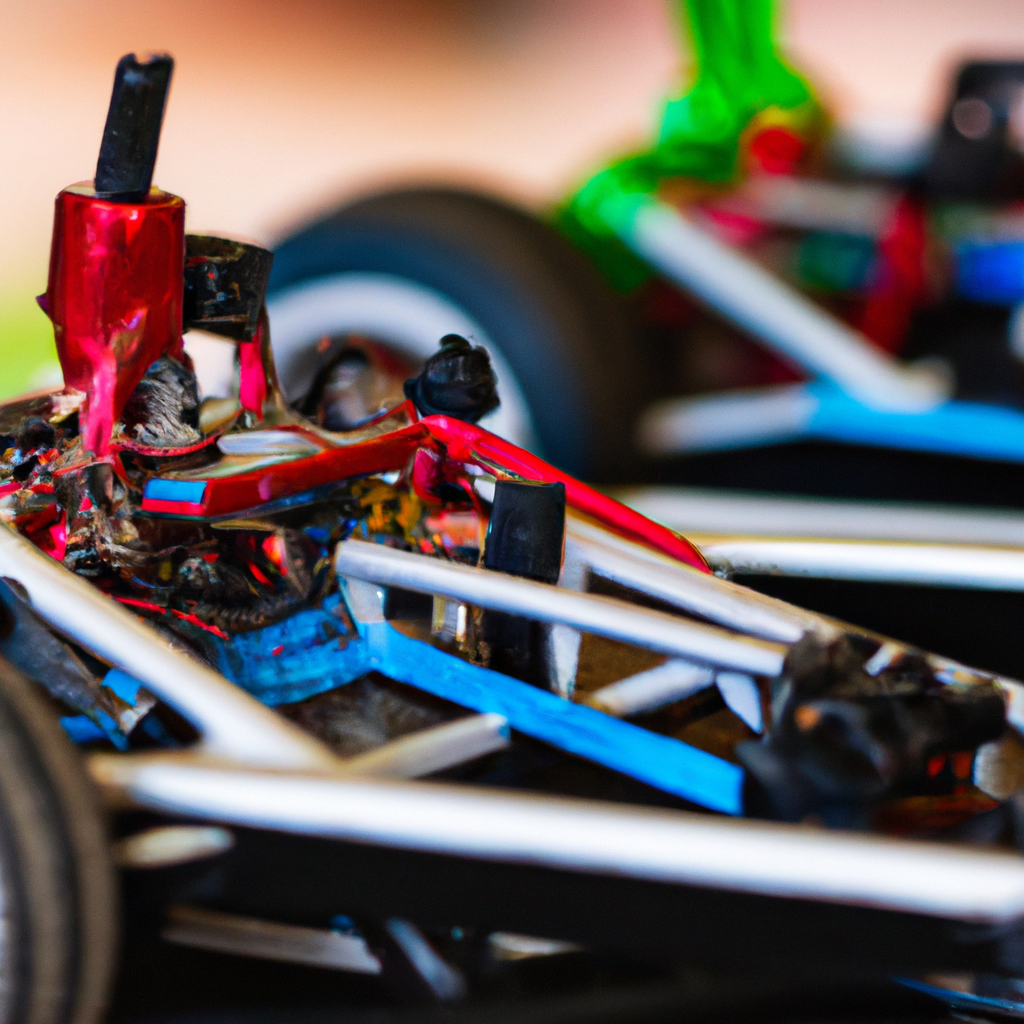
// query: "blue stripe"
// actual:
[[660, 761], [954, 428], [316, 654], [159, 489]]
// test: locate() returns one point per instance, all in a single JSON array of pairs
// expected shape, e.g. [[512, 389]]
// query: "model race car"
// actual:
[[259, 631], [745, 302]]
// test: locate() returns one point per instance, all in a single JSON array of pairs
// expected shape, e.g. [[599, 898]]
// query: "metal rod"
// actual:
[[746, 417], [268, 940], [696, 510], [930, 565], [232, 723], [638, 568], [652, 689], [762, 304], [433, 750], [590, 613], [645, 843]]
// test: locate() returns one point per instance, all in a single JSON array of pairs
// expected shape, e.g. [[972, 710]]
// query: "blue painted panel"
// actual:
[[314, 655], [125, 686], [660, 761], [307, 654], [991, 271], [175, 490], [82, 729], [955, 428]]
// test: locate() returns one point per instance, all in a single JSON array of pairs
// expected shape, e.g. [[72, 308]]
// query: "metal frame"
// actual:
[[908, 543], [934, 565], [857, 394], [254, 769]]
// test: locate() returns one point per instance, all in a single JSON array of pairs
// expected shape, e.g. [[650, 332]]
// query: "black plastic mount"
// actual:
[[525, 537], [527, 530], [977, 153], [225, 285], [124, 171]]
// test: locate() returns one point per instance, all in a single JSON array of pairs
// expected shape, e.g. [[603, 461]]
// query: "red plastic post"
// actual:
[[114, 296]]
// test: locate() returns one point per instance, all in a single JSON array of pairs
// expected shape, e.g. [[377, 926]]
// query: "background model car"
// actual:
[[860, 341]]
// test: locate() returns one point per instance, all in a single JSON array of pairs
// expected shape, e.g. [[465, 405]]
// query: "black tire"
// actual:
[[542, 305], [58, 894]]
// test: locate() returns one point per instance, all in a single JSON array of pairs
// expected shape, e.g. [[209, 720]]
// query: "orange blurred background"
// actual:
[[280, 109]]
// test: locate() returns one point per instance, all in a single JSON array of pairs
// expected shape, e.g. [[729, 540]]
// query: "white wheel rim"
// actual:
[[404, 314]]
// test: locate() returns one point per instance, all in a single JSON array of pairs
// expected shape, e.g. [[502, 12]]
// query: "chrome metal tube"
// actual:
[[433, 750], [268, 940], [741, 855], [696, 510], [655, 688], [590, 613], [934, 565], [634, 566], [767, 307]]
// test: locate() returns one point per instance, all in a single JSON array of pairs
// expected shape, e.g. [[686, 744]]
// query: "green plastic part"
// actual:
[[741, 80], [832, 262], [740, 74]]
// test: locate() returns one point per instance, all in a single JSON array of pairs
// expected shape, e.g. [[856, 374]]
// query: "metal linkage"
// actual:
[[669, 846], [433, 750], [697, 510], [268, 940], [787, 322], [590, 613], [936, 565], [638, 568], [652, 689]]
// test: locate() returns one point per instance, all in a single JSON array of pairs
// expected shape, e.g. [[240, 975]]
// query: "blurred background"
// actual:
[[280, 110]]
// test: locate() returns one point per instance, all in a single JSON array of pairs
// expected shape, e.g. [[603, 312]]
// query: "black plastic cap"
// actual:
[[526, 533], [124, 171], [457, 381]]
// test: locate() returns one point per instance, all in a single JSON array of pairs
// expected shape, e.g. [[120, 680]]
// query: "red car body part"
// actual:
[[900, 283], [469, 443], [453, 441], [114, 296], [252, 379]]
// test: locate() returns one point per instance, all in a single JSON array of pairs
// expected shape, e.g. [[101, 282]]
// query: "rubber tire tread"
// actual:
[[560, 326], [56, 859]]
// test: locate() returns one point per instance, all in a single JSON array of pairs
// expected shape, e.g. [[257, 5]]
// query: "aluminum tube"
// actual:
[[767, 307], [663, 845], [589, 613], [723, 420], [232, 723], [930, 565], [696, 510], [433, 750], [651, 573], [813, 205], [655, 688], [267, 940]]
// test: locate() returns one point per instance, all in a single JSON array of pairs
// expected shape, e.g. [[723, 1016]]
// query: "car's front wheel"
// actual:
[[359, 299], [58, 896]]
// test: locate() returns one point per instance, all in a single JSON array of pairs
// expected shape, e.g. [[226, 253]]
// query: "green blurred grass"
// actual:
[[27, 353]]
